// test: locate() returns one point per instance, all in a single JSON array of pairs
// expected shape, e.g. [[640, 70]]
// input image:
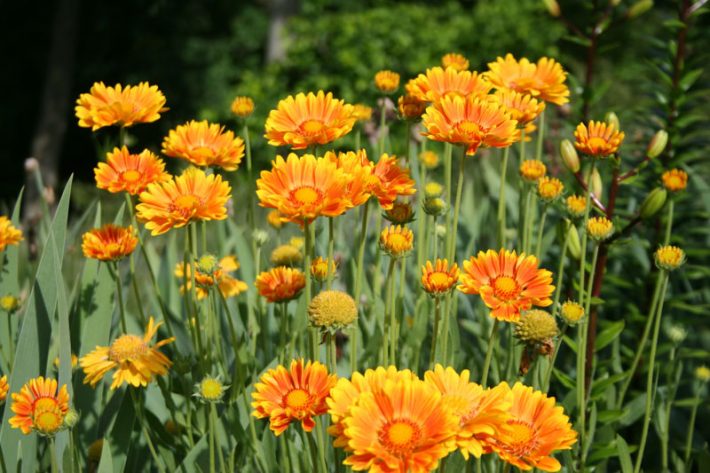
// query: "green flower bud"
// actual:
[[436, 206], [657, 144], [573, 244], [71, 418], [639, 8], [655, 200], [569, 155], [612, 119], [596, 184], [553, 8]]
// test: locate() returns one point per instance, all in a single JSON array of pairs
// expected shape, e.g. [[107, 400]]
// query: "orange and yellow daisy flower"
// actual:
[[392, 181], [207, 277], [361, 112], [597, 139], [438, 83], [280, 284], [205, 144], [455, 61], [544, 80], [118, 105], [9, 234], [508, 283], [410, 107], [521, 107], [403, 427], [109, 243], [40, 407], [359, 172], [482, 412], [387, 81], [396, 240], [536, 428], [471, 122], [295, 394], [126, 172], [242, 106], [304, 188], [306, 120], [439, 278], [191, 196], [133, 358], [401, 213], [4, 388], [674, 180]]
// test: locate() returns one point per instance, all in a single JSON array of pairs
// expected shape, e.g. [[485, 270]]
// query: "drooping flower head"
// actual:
[[118, 105], [205, 144], [387, 81], [508, 283], [438, 83], [109, 243], [675, 180], [471, 122], [9, 234], [455, 61], [242, 106], [544, 80], [134, 360], [127, 172], [521, 107], [40, 407], [304, 188], [598, 139], [280, 284], [306, 120], [206, 277], [392, 181], [536, 429], [191, 196], [439, 278], [297, 394], [482, 412]]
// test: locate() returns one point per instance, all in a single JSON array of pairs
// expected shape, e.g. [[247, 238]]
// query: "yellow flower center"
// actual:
[[469, 129], [596, 143], [439, 279], [674, 182], [521, 438], [186, 204], [46, 415], [211, 389], [312, 127], [131, 176], [298, 400], [396, 242], [306, 195], [400, 436], [505, 288], [126, 347]]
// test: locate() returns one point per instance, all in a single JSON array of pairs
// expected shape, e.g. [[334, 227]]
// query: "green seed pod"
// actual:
[[569, 155], [612, 119], [573, 244], [657, 144], [655, 200]]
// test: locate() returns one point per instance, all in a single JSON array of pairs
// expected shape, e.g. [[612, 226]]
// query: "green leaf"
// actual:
[[9, 278], [120, 439], [689, 78], [608, 335], [624, 455]]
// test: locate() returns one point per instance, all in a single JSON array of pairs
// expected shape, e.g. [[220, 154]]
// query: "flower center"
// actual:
[[211, 389], [596, 143], [675, 182], [131, 176], [400, 436], [505, 288], [469, 129], [312, 127], [48, 421], [298, 399], [186, 204], [439, 279], [396, 241], [521, 438], [306, 195], [127, 347]]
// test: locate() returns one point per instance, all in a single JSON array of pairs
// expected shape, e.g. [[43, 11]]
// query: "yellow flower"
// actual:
[[109, 243], [439, 278], [210, 389], [332, 310], [702, 374], [122, 106], [522, 107], [433, 190], [387, 81], [361, 112], [40, 407], [597, 139], [543, 80], [600, 228], [536, 327], [572, 312], [286, 255], [134, 359], [297, 242], [669, 257], [454, 60], [205, 144], [396, 240], [675, 180], [9, 235], [242, 106], [280, 284], [4, 388], [576, 205], [531, 170], [320, 270], [9, 303], [429, 159], [549, 188], [274, 218], [128, 172]]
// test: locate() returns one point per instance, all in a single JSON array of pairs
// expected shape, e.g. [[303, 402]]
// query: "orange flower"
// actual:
[[401, 213], [205, 144], [128, 172], [674, 180], [191, 196], [508, 283], [304, 188], [470, 122], [402, 427], [362, 113], [309, 120], [242, 106], [4, 388], [521, 107], [534, 431], [597, 139], [482, 412], [134, 360], [40, 407], [544, 80], [123, 106], [9, 235], [439, 278], [532, 169], [396, 240], [359, 172], [410, 107], [211, 273], [438, 83], [387, 81], [280, 284], [109, 243], [392, 181], [296, 394], [455, 61]]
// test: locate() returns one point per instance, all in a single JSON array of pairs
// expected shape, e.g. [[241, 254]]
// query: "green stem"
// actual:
[[192, 242], [250, 195], [331, 243], [691, 430], [583, 253], [452, 240], [551, 365], [389, 282], [448, 151], [53, 455], [358, 284], [116, 273], [435, 332], [556, 308], [313, 345], [540, 136], [540, 231], [146, 434], [492, 339], [383, 124], [669, 223], [649, 377], [501, 198], [526, 218], [211, 427], [213, 414], [332, 354]]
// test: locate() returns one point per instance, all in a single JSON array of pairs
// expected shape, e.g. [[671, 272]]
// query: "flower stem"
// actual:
[[435, 332], [116, 273], [492, 340], [501, 198], [540, 136], [448, 151], [53, 455], [583, 253], [306, 270], [213, 414], [383, 125], [331, 242], [691, 428], [452, 240], [332, 354], [211, 439], [389, 283], [538, 247], [669, 223]]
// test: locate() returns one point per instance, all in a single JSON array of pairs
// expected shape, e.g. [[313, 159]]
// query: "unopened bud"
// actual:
[[569, 155], [553, 7], [639, 8], [71, 418], [657, 144], [613, 120], [31, 165], [573, 244], [260, 237], [655, 200], [596, 184]]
